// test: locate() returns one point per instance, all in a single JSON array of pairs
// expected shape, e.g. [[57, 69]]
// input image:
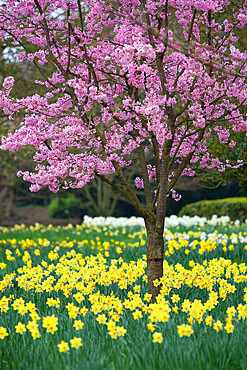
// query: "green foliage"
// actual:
[[235, 208], [65, 207]]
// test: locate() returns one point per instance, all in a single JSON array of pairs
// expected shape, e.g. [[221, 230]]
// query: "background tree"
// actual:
[[164, 76]]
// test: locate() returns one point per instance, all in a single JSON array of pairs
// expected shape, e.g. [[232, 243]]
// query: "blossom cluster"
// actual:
[[122, 81], [170, 221]]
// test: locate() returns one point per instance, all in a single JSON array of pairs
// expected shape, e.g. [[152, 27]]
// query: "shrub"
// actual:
[[235, 208], [65, 207]]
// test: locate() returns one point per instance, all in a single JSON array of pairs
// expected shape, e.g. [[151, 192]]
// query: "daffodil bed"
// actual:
[[76, 297]]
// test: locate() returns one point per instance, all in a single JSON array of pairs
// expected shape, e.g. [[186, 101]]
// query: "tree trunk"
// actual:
[[155, 256], [10, 204], [3, 197]]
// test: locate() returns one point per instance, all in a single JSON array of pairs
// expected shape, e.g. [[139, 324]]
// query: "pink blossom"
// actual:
[[126, 89], [139, 183], [8, 82]]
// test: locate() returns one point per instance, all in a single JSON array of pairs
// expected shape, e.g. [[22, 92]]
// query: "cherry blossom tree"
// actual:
[[127, 81]]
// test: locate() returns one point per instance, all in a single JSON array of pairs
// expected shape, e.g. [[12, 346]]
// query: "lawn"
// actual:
[[75, 297]]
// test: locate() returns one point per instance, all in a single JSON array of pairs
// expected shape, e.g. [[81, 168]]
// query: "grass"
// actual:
[[107, 267]]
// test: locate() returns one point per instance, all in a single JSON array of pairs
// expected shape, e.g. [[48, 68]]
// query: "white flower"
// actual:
[[171, 221]]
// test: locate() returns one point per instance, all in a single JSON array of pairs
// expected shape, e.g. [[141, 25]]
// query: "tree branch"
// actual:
[[107, 181], [184, 162]]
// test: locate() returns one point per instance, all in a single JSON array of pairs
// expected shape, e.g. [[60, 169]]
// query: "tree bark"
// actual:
[[155, 257], [10, 203]]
